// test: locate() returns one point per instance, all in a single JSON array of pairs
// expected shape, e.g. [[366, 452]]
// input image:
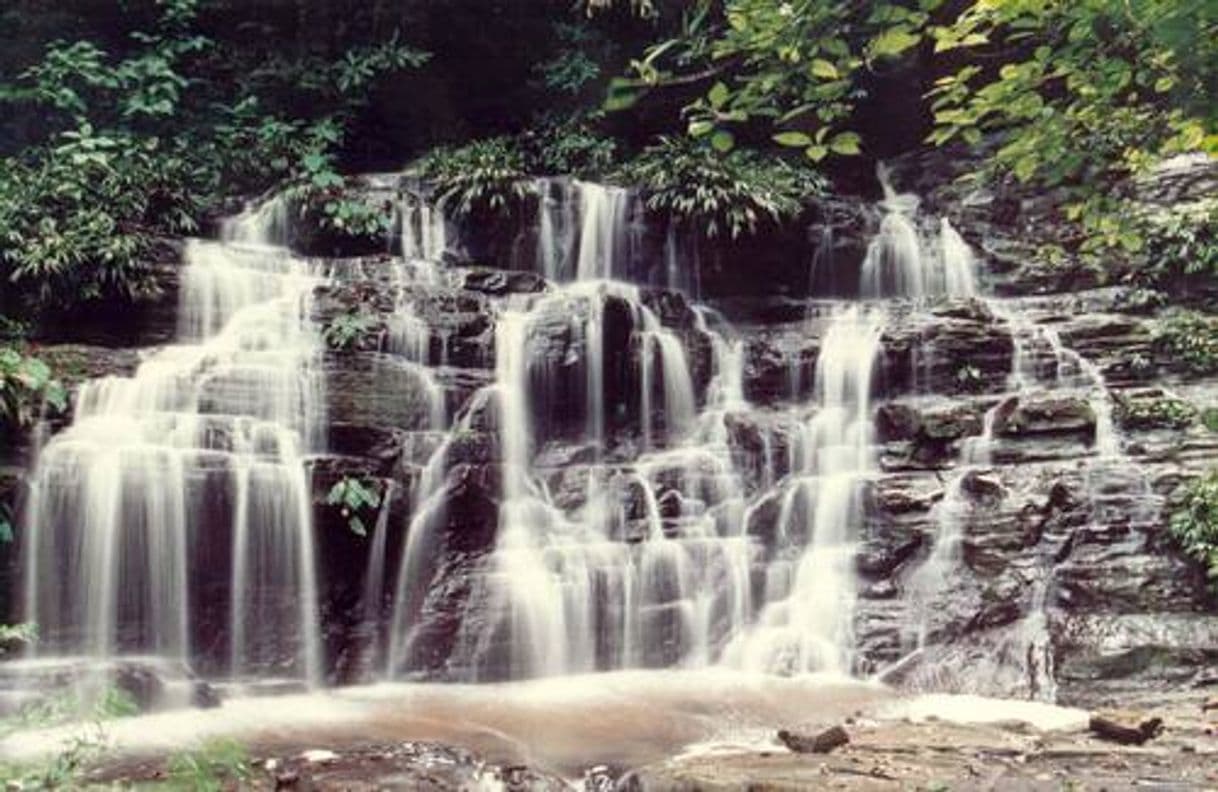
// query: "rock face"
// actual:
[[1036, 566]]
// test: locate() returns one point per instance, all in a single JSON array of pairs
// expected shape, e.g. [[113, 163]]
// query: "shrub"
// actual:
[[569, 148], [1190, 339], [1194, 522], [485, 176], [720, 193], [1166, 412], [1180, 241], [26, 385]]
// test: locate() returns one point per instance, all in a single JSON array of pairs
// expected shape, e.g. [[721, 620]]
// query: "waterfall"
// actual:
[[807, 624], [203, 447], [588, 231], [630, 507], [424, 229], [899, 263]]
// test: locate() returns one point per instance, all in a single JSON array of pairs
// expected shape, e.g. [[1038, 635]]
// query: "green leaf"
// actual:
[[798, 139], [892, 42], [700, 127], [723, 141], [845, 143], [824, 69], [718, 95], [816, 153]]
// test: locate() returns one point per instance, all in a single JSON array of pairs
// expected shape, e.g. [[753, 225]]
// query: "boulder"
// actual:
[[1044, 414], [821, 742]]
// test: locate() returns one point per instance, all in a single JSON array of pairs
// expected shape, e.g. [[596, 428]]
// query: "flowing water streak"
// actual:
[[119, 498], [806, 625], [899, 263]]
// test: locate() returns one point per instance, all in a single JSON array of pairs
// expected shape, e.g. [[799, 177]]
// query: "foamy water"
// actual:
[[565, 724]]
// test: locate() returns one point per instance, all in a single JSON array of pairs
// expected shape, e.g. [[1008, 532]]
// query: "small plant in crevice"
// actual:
[[1209, 418], [219, 764], [344, 332], [356, 497], [1194, 522], [1165, 412], [1190, 340], [1140, 300]]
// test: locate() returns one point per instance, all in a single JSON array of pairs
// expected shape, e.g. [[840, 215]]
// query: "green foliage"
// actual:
[[1209, 418], [344, 332], [576, 65], [1081, 92], [26, 385], [484, 176], [1194, 522], [69, 706], [17, 634], [219, 764], [1189, 340], [355, 496], [1179, 241], [145, 139], [1166, 412], [569, 148], [348, 213], [794, 67], [719, 194]]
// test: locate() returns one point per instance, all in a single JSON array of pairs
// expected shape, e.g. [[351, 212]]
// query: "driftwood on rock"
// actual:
[[1125, 728], [823, 742]]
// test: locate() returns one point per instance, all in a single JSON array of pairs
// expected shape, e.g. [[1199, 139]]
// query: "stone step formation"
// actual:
[[585, 465]]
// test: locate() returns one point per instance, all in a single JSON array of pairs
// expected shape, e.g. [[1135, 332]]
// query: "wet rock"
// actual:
[[895, 421], [1125, 728], [1044, 414], [821, 742], [982, 488], [498, 282]]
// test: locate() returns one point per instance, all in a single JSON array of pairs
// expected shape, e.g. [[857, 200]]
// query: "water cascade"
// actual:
[[583, 474], [209, 435], [806, 624]]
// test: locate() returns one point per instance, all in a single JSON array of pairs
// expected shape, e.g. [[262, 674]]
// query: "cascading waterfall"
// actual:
[[898, 262], [638, 548], [208, 433], [573, 596], [587, 231], [806, 625]]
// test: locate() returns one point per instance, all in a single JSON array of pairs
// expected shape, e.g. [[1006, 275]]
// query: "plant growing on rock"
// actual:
[[344, 332], [1166, 412], [1194, 522], [1190, 339], [26, 385], [355, 497], [570, 148], [485, 176], [720, 194]]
